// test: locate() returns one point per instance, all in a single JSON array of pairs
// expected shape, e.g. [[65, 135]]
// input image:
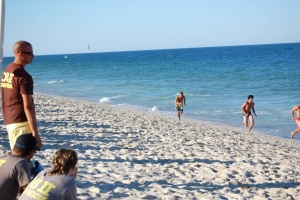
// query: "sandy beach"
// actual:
[[126, 154]]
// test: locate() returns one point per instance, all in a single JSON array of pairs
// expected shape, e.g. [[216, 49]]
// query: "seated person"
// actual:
[[15, 172], [58, 182]]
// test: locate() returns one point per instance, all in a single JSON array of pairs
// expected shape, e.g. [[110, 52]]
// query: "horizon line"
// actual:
[[119, 51]]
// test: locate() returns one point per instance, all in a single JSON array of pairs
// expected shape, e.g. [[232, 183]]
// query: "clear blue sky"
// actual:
[[69, 26]]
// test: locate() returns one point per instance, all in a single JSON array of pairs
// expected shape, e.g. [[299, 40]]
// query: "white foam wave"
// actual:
[[109, 99], [155, 108], [105, 100], [55, 82]]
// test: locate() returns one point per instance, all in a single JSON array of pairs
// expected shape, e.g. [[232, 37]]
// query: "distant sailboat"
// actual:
[[65, 56], [88, 47]]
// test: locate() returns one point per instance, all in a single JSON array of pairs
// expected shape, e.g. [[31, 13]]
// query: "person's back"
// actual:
[[10, 180], [44, 186], [56, 183], [15, 171], [15, 81]]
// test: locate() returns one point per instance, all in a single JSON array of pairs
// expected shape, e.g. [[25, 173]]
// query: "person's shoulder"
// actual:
[[9, 67], [21, 72], [42, 173], [65, 179], [21, 160], [19, 163], [14, 66], [15, 157], [3, 154]]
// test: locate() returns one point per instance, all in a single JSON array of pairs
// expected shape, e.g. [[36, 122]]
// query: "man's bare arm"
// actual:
[[292, 112], [254, 111], [30, 114], [243, 109]]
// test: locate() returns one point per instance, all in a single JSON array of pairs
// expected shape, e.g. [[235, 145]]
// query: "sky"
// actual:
[[70, 26]]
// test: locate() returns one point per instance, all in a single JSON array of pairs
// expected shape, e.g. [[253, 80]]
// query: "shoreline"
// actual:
[[257, 129], [160, 114], [129, 154]]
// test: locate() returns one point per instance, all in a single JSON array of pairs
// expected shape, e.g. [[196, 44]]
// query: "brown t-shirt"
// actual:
[[15, 82]]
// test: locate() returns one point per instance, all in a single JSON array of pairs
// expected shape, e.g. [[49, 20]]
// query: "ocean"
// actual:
[[216, 81]]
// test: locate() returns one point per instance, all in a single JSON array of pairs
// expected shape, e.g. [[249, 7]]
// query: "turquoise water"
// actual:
[[216, 81]]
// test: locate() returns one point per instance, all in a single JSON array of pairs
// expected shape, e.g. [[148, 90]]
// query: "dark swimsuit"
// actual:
[[249, 113]]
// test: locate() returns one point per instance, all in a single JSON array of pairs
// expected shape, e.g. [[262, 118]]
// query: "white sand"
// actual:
[[128, 154]]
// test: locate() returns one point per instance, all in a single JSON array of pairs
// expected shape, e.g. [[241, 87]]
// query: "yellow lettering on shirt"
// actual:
[[7, 77], [6, 85], [7, 80], [46, 187], [35, 183], [42, 187], [34, 195], [2, 162]]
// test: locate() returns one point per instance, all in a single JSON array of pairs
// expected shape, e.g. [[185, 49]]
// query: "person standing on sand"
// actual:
[[179, 102], [297, 120], [246, 109], [17, 89]]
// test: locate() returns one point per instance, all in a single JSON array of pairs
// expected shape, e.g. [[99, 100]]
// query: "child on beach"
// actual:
[[58, 182], [297, 120], [246, 109]]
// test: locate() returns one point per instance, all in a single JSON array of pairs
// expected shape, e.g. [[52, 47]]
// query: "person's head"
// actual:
[[25, 146], [63, 162], [250, 97], [23, 52], [181, 93]]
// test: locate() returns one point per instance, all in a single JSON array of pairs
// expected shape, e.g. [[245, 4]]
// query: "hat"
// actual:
[[26, 142]]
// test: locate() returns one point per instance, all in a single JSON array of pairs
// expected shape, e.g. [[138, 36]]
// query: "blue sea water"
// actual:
[[216, 81]]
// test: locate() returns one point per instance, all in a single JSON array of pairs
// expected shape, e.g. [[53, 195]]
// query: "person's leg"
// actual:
[[245, 122], [179, 115], [251, 123], [297, 130]]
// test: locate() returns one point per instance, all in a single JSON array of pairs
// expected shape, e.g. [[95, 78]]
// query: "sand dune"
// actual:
[[128, 154]]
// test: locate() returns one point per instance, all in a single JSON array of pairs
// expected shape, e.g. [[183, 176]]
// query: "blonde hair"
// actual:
[[63, 161]]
